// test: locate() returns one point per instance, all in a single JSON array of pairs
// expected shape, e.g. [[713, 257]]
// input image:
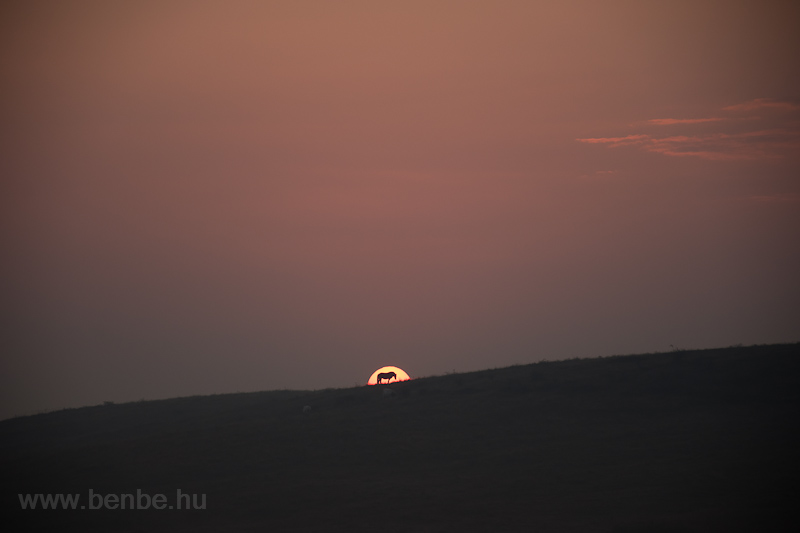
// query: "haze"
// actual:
[[210, 197]]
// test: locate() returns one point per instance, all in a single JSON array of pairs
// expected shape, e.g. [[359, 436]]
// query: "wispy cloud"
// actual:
[[671, 121], [763, 103], [727, 147], [776, 135], [617, 141], [717, 147]]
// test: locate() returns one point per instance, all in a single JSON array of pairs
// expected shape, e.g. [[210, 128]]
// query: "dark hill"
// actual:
[[683, 441]]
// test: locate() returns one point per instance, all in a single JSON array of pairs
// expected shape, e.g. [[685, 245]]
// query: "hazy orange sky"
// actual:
[[208, 197]]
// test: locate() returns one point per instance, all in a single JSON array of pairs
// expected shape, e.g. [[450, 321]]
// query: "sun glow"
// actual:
[[399, 375]]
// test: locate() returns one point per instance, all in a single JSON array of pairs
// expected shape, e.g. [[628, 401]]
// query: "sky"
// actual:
[[205, 197]]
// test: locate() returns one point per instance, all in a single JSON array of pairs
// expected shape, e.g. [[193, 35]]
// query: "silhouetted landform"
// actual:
[[688, 441]]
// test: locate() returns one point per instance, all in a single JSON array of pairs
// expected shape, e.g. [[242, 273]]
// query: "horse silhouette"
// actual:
[[388, 376]]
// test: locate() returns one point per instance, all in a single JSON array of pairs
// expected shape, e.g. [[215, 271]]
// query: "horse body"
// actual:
[[388, 376]]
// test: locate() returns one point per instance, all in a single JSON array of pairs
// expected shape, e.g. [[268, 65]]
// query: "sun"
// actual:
[[399, 375]]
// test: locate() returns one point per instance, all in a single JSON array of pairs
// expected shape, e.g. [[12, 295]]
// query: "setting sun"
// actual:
[[388, 374]]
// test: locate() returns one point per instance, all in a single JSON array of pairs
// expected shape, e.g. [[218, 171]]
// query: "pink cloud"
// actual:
[[727, 147], [671, 121], [617, 141], [751, 145], [777, 137]]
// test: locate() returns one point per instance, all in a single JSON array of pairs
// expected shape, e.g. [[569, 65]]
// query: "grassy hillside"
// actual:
[[684, 441]]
